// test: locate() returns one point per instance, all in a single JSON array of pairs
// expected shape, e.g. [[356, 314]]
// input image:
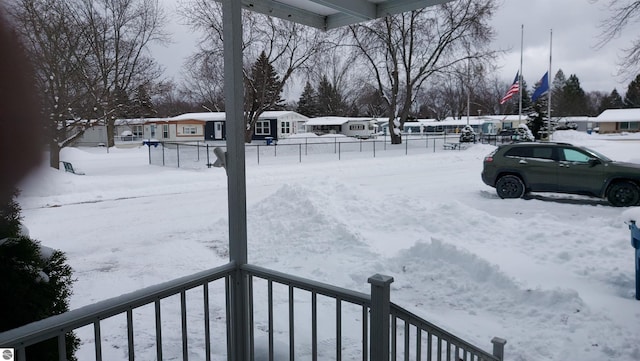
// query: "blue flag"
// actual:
[[542, 88]]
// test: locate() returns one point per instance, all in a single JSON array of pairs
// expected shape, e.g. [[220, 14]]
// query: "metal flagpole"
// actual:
[[520, 76], [550, 132]]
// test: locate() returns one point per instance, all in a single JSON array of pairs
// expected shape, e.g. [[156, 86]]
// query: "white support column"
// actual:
[[236, 178]]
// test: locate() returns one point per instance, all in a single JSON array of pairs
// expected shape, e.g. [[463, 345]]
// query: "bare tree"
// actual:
[[57, 50], [118, 33], [289, 47], [88, 55], [623, 13], [402, 51]]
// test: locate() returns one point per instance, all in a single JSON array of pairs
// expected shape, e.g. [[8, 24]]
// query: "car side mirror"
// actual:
[[594, 161]]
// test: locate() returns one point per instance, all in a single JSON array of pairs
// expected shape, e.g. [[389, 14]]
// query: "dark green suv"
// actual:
[[515, 169]]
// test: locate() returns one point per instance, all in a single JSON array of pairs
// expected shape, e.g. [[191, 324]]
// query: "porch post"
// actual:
[[236, 179], [380, 309]]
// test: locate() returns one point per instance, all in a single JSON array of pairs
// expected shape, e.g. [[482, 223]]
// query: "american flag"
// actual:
[[514, 89]]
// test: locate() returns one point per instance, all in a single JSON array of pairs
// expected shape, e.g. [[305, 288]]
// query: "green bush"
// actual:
[[36, 283]]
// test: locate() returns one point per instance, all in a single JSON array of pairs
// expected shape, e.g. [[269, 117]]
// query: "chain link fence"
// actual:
[[197, 155]]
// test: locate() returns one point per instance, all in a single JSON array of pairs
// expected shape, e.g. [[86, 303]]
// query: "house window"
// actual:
[[165, 130], [137, 131], [629, 125], [189, 130], [285, 127], [356, 127], [263, 127], [153, 131]]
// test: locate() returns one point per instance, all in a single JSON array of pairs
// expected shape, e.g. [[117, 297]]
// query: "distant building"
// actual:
[[619, 120]]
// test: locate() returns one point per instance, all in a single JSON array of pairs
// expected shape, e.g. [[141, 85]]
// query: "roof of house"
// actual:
[[221, 116], [619, 115], [336, 120]]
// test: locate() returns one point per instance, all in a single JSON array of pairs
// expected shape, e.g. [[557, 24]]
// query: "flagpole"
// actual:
[[550, 87], [520, 76]]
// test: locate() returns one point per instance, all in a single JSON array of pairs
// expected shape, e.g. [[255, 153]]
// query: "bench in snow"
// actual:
[[68, 167], [451, 146]]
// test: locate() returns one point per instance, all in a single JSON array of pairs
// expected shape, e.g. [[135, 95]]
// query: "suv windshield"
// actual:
[[597, 154]]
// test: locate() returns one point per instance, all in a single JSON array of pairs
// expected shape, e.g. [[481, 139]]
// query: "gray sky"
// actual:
[[575, 34], [575, 25]]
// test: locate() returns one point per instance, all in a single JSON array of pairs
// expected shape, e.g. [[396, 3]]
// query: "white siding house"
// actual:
[[619, 120], [351, 127], [272, 125]]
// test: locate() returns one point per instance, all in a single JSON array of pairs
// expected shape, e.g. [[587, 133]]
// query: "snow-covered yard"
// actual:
[[554, 275]]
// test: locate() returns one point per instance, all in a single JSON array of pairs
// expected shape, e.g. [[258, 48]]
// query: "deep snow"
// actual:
[[554, 275]]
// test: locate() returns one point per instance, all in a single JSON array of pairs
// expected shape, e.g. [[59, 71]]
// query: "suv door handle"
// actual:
[[522, 161]]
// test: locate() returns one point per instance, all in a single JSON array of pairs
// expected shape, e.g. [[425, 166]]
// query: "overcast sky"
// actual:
[[575, 34]]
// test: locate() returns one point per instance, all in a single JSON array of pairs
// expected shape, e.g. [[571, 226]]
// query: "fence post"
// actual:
[[208, 160], [300, 152], [258, 151], [163, 154], [380, 309], [178, 154], [498, 347], [374, 148]]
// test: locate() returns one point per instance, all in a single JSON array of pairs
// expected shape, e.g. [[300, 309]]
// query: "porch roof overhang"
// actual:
[[330, 14]]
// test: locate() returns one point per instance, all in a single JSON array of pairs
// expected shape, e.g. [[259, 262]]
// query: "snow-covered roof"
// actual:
[[575, 119], [619, 115], [221, 116], [336, 120]]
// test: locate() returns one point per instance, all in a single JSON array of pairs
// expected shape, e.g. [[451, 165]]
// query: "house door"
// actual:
[[217, 132]]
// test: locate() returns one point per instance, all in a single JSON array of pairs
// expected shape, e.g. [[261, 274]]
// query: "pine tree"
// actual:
[[262, 92], [557, 95], [142, 106], [330, 100], [611, 101], [36, 283], [632, 98], [572, 100], [307, 104], [121, 104]]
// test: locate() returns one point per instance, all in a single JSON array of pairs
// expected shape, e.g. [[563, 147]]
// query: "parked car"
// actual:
[[518, 168]]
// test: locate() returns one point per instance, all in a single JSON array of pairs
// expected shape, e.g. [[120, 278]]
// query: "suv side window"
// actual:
[[543, 153], [531, 152], [523, 152], [572, 155]]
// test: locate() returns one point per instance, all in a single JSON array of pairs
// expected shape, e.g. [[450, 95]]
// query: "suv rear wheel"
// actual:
[[623, 194], [510, 186]]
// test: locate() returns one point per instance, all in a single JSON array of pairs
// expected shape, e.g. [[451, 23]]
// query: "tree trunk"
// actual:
[[54, 154], [395, 138], [111, 127]]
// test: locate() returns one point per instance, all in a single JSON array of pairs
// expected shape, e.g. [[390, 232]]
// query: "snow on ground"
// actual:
[[553, 274]]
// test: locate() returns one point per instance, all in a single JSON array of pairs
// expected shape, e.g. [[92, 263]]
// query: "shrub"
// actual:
[[36, 283]]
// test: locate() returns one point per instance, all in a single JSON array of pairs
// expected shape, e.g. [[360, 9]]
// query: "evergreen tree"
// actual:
[[329, 99], [120, 104], [611, 101], [307, 104], [632, 98], [36, 283], [557, 96], [262, 92], [537, 119], [142, 106], [573, 100]]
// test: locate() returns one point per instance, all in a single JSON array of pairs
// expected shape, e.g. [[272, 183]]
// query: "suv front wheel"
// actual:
[[623, 194], [510, 186]]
